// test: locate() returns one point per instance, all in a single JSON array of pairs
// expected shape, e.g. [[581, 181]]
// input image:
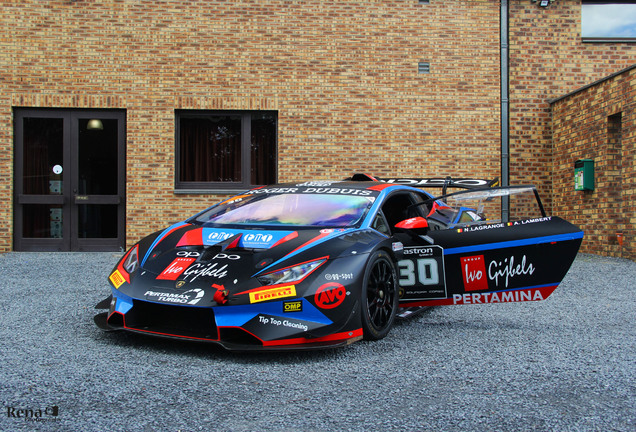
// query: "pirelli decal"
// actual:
[[117, 279], [273, 293]]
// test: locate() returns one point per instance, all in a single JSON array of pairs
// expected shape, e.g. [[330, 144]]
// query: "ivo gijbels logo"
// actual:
[[46, 414]]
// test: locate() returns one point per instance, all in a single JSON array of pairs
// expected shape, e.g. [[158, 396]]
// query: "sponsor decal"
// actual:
[[338, 276], [474, 272], [249, 239], [499, 297], [318, 183], [293, 306], [176, 267], [313, 190], [188, 254], [219, 236], [397, 246], [423, 252], [232, 257], [507, 269], [282, 322], [117, 279], [209, 270], [190, 297], [180, 284], [273, 293], [330, 295]]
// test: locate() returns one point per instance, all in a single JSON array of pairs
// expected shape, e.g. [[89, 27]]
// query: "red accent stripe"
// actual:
[[301, 341], [192, 238], [380, 187], [235, 242], [318, 237], [286, 238]]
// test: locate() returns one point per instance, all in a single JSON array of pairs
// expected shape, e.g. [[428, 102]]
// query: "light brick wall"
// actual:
[[341, 74], [547, 60], [583, 129]]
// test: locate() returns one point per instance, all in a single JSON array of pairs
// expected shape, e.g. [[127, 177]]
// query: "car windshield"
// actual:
[[323, 210]]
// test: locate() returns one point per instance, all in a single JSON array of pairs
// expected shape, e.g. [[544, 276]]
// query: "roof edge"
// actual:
[[585, 87]]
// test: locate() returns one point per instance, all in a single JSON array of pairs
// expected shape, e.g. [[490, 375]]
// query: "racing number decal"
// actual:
[[427, 272], [421, 273]]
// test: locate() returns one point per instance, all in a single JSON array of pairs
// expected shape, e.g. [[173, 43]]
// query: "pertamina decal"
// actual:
[[474, 273], [330, 295], [176, 267], [273, 293], [117, 279]]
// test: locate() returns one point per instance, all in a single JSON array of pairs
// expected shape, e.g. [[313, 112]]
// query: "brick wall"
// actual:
[[599, 123], [341, 74], [548, 59]]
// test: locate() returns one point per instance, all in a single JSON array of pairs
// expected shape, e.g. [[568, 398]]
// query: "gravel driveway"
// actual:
[[564, 364]]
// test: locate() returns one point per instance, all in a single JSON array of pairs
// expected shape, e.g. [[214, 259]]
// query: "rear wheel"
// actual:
[[379, 297]]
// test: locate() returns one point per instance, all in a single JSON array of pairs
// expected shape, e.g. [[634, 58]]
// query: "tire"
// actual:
[[379, 296]]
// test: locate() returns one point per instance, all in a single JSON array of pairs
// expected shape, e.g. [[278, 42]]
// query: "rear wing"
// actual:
[[444, 183]]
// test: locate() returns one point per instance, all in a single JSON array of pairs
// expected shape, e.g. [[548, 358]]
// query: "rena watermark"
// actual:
[[47, 414]]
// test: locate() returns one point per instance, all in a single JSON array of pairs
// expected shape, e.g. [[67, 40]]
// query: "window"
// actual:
[[225, 150], [608, 21]]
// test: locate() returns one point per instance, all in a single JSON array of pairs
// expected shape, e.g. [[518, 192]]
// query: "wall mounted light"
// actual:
[[95, 124]]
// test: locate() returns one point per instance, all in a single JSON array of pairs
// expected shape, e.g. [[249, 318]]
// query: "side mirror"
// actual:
[[416, 224]]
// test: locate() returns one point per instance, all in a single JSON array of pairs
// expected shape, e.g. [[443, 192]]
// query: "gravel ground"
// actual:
[[564, 364]]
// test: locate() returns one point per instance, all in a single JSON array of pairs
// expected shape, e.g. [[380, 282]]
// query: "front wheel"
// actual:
[[379, 296]]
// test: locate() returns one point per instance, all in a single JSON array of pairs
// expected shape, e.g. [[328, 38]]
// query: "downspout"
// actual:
[[505, 117]]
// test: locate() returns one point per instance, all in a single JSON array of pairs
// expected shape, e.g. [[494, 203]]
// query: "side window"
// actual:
[[380, 224], [398, 207]]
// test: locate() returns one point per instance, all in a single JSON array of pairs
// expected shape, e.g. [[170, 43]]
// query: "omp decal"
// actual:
[[514, 243], [474, 273], [293, 306], [176, 267], [117, 279], [161, 236], [330, 295], [273, 293]]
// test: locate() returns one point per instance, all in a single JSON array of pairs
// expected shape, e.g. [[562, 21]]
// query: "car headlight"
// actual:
[[291, 274], [131, 263]]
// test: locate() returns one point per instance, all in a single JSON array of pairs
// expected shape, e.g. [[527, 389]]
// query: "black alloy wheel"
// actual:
[[379, 296]]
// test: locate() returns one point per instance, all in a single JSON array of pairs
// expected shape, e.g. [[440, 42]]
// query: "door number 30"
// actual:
[[425, 269]]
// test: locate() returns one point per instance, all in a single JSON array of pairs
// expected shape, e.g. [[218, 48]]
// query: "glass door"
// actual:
[[69, 180]]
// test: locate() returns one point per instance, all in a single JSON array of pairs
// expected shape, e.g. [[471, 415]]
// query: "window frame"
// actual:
[[187, 187], [603, 39]]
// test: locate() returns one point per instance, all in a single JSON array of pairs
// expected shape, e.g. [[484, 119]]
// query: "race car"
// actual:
[[320, 264]]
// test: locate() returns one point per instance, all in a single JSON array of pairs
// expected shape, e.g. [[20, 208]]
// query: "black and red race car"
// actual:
[[325, 263]]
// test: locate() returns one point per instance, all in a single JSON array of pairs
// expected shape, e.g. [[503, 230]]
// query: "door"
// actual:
[[69, 180]]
